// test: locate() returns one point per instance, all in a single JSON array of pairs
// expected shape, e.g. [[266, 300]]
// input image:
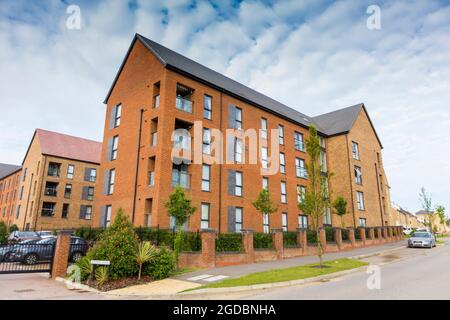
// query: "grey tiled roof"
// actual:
[[333, 123], [7, 169]]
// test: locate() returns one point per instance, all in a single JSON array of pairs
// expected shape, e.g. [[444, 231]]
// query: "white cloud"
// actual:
[[311, 55]]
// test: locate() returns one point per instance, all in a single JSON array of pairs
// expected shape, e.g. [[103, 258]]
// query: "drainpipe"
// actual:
[[220, 168], [137, 166]]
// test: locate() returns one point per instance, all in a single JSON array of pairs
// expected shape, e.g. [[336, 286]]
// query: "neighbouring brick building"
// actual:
[[9, 183], [57, 183], [158, 90]]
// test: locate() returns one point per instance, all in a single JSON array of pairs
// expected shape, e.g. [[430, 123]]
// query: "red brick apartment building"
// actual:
[[55, 186], [9, 183], [158, 90]]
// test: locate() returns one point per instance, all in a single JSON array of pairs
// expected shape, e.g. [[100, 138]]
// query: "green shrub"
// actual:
[[13, 228], [329, 233], [311, 236], [89, 234], [3, 233], [290, 239], [367, 230], [161, 266], [262, 241], [85, 266], [345, 235], [228, 242], [192, 242], [118, 245]]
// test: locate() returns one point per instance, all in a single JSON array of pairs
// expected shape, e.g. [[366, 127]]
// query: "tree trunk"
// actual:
[[140, 269], [319, 248]]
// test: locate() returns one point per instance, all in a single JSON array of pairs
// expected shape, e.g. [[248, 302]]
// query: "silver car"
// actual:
[[422, 239]]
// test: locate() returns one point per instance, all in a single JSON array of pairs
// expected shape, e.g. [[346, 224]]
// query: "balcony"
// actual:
[[51, 192], [151, 178], [184, 104], [180, 178]]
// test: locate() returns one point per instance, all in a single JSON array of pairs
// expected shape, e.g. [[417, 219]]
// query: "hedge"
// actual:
[[329, 233], [290, 240], [229, 242], [345, 235], [262, 241], [311, 236], [367, 233]]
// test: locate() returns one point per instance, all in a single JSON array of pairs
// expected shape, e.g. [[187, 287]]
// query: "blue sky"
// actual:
[[312, 55]]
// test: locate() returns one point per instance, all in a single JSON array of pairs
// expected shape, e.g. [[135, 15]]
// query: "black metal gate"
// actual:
[[26, 257]]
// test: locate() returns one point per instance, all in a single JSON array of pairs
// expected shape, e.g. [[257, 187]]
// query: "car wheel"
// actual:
[[77, 256], [7, 257], [31, 259]]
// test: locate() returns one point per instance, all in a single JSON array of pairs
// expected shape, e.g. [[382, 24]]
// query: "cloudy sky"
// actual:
[[313, 55]]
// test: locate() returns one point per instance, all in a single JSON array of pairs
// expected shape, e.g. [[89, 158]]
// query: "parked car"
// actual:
[[18, 236], [423, 239], [44, 234], [407, 230], [42, 251], [7, 250]]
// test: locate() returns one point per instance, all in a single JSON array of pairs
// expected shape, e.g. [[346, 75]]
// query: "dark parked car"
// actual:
[[18, 236], [7, 249], [42, 250]]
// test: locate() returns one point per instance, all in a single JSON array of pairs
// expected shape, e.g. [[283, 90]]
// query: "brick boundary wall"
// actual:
[[61, 255], [209, 258]]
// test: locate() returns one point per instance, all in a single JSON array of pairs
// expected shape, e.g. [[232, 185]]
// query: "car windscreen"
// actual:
[[421, 235], [27, 234]]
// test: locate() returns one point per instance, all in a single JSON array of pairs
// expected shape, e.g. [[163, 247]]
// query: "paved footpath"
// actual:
[[205, 276]]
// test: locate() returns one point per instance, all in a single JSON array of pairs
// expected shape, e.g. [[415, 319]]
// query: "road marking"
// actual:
[[200, 277], [215, 278]]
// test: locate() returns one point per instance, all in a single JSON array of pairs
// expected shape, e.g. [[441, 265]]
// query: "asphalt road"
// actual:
[[406, 274]]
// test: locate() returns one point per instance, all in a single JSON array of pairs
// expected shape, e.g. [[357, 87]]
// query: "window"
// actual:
[[18, 211], [90, 193], [301, 191], [48, 209], [92, 175], [284, 221], [65, 211], [204, 224], [265, 183], [206, 177], [238, 185], [238, 218], [264, 161], [362, 222], [323, 161], [112, 177], [21, 193], [117, 115], [283, 192], [238, 118], [115, 145], [266, 223], [238, 150], [108, 216], [282, 163], [358, 176], [53, 169], [70, 171], [360, 200], [206, 141], [298, 141], [263, 128], [355, 150], [300, 170], [68, 191], [207, 107], [303, 221], [24, 174], [281, 134], [50, 189], [88, 213], [326, 218]]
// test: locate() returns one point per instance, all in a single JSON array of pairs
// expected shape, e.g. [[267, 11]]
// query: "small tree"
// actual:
[[3, 233], [180, 208], [316, 200], [425, 200], [440, 212], [340, 208], [264, 204], [145, 252]]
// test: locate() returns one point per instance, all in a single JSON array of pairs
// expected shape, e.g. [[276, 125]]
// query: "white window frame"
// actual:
[[108, 212], [283, 187], [206, 177], [206, 141], [238, 118], [299, 141], [358, 175], [302, 221], [70, 173], [282, 163], [355, 150], [118, 115], [111, 181], [239, 218], [266, 223], [284, 221], [204, 221], [238, 183], [281, 134], [300, 168], [207, 107], [360, 200], [114, 147], [263, 128]]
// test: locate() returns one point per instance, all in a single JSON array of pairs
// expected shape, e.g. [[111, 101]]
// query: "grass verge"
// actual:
[[179, 272], [287, 274]]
